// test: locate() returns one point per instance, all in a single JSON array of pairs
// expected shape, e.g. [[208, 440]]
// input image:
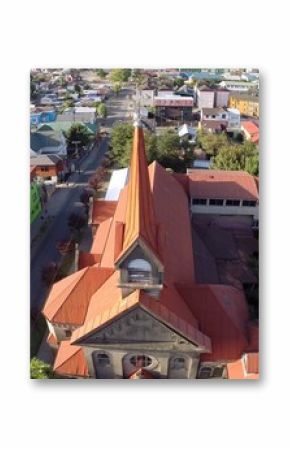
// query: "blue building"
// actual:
[[36, 118]]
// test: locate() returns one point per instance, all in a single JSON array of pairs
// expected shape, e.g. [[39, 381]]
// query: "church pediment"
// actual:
[[136, 326]]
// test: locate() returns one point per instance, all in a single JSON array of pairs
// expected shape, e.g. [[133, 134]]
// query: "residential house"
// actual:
[[218, 119], [78, 114], [246, 104], [208, 97], [46, 140], [250, 130], [172, 107], [138, 311], [39, 116], [48, 167], [205, 97]]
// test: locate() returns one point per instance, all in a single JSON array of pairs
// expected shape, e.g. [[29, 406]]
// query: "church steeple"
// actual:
[[140, 220], [139, 260]]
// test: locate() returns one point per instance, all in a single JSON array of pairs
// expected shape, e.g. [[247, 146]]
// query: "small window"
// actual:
[[103, 360], [199, 201], [205, 372], [44, 168], [140, 361], [213, 116], [232, 202], [224, 116], [208, 372], [68, 333], [216, 202], [139, 271], [249, 203], [179, 363], [218, 371]]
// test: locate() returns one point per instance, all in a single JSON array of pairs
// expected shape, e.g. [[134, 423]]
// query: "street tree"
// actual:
[[102, 110], [77, 133], [48, 273], [117, 88]]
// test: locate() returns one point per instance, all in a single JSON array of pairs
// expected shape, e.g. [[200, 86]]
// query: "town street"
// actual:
[[67, 200]]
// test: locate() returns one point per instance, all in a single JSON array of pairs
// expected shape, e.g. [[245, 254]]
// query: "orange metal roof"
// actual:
[[69, 298], [102, 210], [222, 314], [222, 184], [88, 259], [140, 220], [107, 304], [237, 370], [70, 361]]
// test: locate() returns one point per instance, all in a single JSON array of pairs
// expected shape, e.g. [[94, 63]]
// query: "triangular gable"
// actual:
[[135, 326]]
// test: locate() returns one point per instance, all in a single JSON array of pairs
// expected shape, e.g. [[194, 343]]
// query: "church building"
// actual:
[[135, 310]]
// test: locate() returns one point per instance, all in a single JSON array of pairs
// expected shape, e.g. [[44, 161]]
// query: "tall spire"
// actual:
[[140, 220]]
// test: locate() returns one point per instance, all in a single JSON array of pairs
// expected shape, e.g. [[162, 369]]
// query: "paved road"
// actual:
[[66, 200]]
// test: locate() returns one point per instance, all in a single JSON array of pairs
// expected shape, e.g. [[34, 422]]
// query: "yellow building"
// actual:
[[246, 104]]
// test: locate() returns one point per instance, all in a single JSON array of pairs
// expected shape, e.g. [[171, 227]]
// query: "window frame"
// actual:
[[216, 199]]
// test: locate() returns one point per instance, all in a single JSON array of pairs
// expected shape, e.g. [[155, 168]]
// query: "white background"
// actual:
[[167, 414]]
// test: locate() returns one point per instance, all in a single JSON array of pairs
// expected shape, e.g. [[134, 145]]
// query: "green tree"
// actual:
[[164, 148], [238, 157], [139, 78], [102, 110], [211, 143], [120, 75], [178, 82], [40, 370], [77, 133], [101, 73], [121, 142], [117, 87]]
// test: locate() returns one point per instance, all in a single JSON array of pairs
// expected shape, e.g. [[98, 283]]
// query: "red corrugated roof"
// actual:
[[222, 184], [88, 259], [70, 361], [252, 130], [69, 298], [222, 314], [102, 210]]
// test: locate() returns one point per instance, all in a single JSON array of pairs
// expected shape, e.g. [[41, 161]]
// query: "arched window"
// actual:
[[178, 363], [139, 270], [103, 360], [140, 361]]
